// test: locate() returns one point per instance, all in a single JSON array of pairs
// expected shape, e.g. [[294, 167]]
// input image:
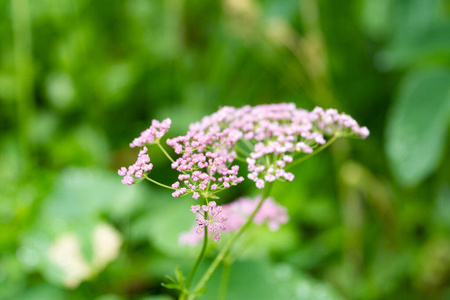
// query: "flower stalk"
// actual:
[[199, 258], [223, 253]]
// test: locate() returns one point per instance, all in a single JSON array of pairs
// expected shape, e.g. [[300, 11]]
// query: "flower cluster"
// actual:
[[266, 137], [270, 212], [152, 134], [237, 213], [142, 164], [211, 217], [269, 136], [203, 171], [137, 169]]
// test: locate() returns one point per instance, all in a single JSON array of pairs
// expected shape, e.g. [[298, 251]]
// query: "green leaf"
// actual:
[[177, 284], [419, 33], [416, 127], [179, 276], [170, 279], [171, 286]]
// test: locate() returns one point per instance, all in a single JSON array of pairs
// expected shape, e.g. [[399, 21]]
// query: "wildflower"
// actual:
[[237, 213], [137, 169], [152, 134], [211, 217], [201, 169], [271, 135], [268, 137]]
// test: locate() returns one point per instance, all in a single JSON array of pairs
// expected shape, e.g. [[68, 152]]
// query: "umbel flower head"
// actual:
[[210, 217], [234, 215], [267, 138]]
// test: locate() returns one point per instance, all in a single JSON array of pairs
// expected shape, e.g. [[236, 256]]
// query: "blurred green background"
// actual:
[[80, 79]]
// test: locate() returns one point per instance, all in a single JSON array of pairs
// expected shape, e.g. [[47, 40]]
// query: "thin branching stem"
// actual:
[[223, 253], [158, 183], [199, 258], [316, 151], [164, 151]]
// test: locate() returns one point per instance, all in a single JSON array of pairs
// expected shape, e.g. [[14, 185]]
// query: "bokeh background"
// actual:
[[80, 79]]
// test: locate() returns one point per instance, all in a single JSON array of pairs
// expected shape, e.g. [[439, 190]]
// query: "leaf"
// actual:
[[170, 279], [179, 276], [420, 32], [171, 286], [416, 127]]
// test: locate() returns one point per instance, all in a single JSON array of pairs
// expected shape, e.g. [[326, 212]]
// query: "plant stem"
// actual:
[[165, 152], [305, 157], [199, 259], [240, 159], [158, 183], [223, 253]]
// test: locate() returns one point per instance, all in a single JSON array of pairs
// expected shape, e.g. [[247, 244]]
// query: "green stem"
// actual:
[[240, 159], [199, 259], [158, 183], [223, 253], [170, 158], [165, 152], [305, 157], [242, 151]]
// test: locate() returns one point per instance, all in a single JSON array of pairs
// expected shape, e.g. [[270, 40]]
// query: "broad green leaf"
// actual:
[[420, 32], [416, 127]]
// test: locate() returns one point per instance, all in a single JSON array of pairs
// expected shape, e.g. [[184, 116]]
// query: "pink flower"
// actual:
[[260, 183], [272, 136], [195, 208], [150, 135], [209, 216], [122, 171], [216, 237], [237, 212], [277, 132], [137, 169], [127, 180]]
